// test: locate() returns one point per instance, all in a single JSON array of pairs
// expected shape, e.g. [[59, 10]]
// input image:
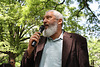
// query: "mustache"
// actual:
[[46, 24]]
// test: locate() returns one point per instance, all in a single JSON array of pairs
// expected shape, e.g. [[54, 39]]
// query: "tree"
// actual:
[[18, 22], [10, 35], [94, 52], [19, 19], [83, 9]]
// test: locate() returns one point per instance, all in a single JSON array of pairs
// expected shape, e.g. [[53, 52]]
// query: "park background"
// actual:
[[19, 19]]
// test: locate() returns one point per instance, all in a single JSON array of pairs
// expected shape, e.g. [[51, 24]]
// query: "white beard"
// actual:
[[50, 30]]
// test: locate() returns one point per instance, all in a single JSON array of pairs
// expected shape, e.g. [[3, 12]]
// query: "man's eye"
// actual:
[[48, 17]]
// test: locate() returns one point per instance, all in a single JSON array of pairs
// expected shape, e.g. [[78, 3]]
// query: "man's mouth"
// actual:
[[46, 25]]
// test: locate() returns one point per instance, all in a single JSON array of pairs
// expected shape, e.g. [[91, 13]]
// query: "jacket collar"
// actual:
[[67, 43]]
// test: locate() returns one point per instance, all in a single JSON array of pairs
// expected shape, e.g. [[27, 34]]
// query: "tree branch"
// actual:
[[21, 32], [80, 10], [26, 31], [25, 39], [4, 52], [59, 4], [2, 59], [62, 2], [91, 11]]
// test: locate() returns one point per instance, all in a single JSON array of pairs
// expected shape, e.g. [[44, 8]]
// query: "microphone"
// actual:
[[40, 30]]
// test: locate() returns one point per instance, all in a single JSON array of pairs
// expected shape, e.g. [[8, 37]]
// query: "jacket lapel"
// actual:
[[67, 43], [39, 50]]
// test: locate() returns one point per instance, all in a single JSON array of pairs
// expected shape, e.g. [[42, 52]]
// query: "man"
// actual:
[[56, 48], [12, 62]]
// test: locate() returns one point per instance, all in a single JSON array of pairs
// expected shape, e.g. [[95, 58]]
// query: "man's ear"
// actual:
[[60, 21]]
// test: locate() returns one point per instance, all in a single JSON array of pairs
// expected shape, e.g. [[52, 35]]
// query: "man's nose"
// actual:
[[45, 21]]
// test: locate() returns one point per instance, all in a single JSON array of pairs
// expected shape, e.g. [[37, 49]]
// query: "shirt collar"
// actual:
[[57, 39]]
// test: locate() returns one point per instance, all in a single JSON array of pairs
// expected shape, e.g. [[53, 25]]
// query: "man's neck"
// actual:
[[57, 34]]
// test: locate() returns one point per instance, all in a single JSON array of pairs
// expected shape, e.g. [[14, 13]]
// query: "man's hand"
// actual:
[[34, 37]]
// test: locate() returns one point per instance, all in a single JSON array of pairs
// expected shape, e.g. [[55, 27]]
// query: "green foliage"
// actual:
[[83, 10], [72, 20], [94, 52], [19, 19]]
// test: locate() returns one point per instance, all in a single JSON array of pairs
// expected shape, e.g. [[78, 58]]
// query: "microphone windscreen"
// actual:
[[41, 28]]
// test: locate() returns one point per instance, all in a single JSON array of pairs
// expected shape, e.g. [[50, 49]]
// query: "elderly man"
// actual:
[[56, 48]]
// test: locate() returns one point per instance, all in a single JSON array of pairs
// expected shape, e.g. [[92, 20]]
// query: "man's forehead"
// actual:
[[48, 14]]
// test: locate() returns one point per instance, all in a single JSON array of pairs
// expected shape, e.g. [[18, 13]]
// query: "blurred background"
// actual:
[[19, 19]]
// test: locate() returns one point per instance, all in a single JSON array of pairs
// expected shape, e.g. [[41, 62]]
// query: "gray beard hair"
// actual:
[[50, 30]]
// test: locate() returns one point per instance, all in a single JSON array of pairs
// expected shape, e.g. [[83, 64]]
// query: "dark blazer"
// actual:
[[74, 53]]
